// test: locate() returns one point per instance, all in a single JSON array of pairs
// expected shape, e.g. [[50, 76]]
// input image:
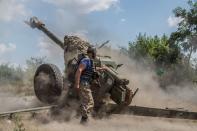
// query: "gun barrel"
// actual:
[[103, 44], [35, 23], [53, 37]]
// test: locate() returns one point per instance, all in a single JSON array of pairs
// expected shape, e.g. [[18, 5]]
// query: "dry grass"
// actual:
[[17, 89]]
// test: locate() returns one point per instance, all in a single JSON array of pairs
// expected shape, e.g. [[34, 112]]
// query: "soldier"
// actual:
[[84, 74], [83, 80]]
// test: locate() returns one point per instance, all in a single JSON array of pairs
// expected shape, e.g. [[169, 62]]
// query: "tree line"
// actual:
[[172, 56], [17, 75]]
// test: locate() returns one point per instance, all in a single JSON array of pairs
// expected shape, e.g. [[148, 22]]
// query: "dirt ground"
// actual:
[[43, 121], [114, 123]]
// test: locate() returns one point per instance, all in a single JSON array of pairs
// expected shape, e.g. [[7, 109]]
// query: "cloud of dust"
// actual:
[[116, 123], [150, 94], [10, 102]]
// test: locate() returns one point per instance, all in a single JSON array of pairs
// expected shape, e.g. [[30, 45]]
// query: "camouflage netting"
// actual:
[[74, 42]]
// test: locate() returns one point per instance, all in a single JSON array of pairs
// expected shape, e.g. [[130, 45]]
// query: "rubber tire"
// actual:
[[48, 83]]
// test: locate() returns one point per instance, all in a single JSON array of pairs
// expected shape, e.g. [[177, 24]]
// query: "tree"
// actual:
[[158, 52], [156, 48], [186, 34]]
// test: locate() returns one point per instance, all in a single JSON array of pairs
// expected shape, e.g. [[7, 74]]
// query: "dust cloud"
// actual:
[[114, 123], [123, 123], [10, 102], [150, 93]]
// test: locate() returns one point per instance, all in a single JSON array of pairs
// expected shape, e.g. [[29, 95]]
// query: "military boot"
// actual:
[[84, 120]]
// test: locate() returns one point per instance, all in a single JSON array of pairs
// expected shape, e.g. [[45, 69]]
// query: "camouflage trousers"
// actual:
[[86, 99]]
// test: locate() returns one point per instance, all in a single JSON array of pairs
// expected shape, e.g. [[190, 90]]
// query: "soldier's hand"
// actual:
[[103, 68]]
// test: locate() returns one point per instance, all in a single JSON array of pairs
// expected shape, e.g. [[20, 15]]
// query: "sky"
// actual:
[[119, 21]]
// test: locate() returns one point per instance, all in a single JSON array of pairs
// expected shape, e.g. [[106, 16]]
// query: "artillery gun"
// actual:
[[48, 80], [49, 85]]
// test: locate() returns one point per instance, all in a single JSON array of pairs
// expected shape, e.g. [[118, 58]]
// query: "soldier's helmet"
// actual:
[[92, 50]]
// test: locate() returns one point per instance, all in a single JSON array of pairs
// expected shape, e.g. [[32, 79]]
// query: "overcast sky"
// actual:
[[119, 21]]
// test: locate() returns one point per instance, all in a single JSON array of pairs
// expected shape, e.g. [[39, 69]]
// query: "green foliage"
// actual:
[[169, 64], [18, 76], [157, 48], [19, 126], [10, 74], [186, 33]]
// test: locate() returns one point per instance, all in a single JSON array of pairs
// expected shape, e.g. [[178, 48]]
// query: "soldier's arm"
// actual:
[[78, 75]]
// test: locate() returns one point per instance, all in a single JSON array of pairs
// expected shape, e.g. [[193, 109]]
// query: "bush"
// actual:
[[10, 74]]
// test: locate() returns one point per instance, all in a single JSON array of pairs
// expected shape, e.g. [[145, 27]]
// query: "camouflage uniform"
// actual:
[[72, 45], [87, 102]]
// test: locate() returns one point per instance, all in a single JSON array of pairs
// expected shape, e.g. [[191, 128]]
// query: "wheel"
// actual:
[[48, 83]]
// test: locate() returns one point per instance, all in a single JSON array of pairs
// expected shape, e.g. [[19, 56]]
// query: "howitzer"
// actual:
[[48, 80]]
